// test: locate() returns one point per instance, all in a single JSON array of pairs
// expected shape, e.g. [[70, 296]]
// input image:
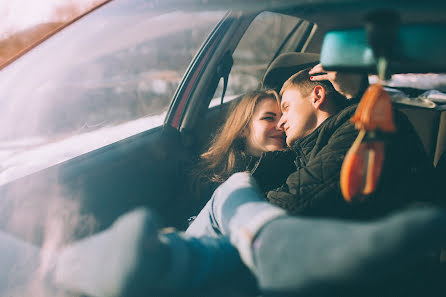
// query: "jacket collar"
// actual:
[[306, 143], [327, 127]]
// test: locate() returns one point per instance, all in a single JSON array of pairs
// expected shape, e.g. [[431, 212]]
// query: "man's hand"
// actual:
[[348, 84]]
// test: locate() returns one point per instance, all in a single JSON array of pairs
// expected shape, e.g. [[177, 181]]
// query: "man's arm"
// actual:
[[350, 85]]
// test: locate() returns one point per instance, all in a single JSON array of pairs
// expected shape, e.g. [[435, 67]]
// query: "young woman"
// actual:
[[250, 131]]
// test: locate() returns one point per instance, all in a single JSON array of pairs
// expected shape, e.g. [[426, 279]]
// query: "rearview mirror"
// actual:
[[418, 48]]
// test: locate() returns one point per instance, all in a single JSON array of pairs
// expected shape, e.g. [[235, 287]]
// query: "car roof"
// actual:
[[328, 14], [333, 12]]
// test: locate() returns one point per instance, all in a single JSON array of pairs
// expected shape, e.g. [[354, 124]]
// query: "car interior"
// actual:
[[152, 168], [428, 119]]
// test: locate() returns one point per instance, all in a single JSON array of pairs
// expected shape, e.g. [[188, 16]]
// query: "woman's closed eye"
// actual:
[[269, 118]]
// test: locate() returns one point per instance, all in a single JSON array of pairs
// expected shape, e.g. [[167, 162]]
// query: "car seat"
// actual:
[[286, 65]]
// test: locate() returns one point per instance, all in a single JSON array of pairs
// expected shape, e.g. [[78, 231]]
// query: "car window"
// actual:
[[423, 81], [255, 50], [106, 77]]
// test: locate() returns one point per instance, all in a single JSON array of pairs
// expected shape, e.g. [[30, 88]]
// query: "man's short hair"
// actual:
[[301, 81]]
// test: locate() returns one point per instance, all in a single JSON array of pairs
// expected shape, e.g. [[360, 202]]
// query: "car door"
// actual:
[[86, 135]]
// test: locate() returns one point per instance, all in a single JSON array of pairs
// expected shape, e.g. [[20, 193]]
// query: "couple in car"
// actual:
[[255, 229]]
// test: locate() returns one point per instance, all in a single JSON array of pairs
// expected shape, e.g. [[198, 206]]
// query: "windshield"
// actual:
[[108, 76]]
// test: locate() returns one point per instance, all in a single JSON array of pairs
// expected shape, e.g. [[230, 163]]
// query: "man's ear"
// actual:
[[318, 96]]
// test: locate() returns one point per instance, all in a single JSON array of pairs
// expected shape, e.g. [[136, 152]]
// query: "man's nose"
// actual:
[[281, 123]]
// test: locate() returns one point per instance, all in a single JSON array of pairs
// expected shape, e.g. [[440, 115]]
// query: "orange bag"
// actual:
[[362, 165], [361, 168], [374, 111]]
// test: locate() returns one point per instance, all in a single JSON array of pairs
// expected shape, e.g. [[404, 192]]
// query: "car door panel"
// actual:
[[144, 170]]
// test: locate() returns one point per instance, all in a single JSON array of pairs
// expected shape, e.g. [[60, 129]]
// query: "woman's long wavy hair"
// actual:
[[220, 160]]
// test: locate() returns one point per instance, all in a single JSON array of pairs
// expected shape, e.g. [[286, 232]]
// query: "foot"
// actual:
[[120, 261]]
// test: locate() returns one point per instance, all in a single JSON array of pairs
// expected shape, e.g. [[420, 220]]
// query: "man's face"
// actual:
[[298, 115]]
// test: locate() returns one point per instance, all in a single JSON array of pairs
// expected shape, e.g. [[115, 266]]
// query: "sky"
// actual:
[[16, 15]]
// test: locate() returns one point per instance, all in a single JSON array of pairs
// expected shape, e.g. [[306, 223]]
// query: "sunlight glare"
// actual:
[[16, 15]]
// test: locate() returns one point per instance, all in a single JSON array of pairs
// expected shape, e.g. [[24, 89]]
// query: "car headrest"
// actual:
[[286, 65]]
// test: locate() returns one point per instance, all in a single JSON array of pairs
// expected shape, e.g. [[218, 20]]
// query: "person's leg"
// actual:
[[237, 209], [315, 256], [132, 258], [239, 194], [203, 224]]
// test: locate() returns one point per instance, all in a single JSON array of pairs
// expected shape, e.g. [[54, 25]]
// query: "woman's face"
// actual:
[[262, 134]]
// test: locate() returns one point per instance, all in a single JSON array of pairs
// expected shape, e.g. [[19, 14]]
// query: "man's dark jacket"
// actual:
[[312, 187]]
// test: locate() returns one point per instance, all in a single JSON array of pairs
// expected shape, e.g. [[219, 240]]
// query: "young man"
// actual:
[[318, 128], [287, 255]]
